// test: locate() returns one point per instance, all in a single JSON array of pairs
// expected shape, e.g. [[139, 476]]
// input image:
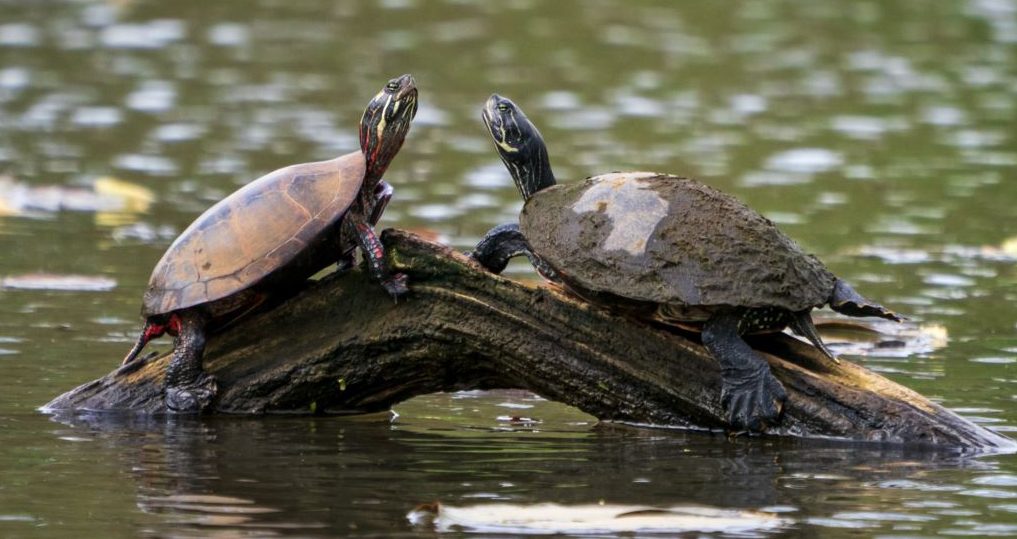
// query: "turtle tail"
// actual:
[[149, 332], [801, 324], [846, 301]]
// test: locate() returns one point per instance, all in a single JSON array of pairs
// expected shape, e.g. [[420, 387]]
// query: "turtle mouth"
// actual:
[[407, 94], [502, 117], [407, 87], [491, 107], [486, 117], [491, 114]]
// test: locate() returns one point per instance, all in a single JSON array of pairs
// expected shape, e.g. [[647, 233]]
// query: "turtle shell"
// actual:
[[664, 239], [255, 231]]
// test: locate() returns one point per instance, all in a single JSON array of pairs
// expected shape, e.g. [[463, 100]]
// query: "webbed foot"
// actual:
[[192, 398], [396, 286], [753, 400]]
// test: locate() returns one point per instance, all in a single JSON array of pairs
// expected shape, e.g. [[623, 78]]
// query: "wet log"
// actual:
[[342, 346]]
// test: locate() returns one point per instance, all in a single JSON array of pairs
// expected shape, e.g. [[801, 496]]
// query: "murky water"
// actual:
[[881, 136]]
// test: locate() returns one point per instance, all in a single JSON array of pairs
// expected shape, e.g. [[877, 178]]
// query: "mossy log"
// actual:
[[342, 346]]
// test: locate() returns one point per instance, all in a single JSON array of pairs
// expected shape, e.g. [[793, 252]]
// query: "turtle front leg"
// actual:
[[751, 396], [374, 253], [501, 244], [189, 389], [382, 194]]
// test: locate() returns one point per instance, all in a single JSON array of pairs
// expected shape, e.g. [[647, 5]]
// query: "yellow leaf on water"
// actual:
[[136, 198]]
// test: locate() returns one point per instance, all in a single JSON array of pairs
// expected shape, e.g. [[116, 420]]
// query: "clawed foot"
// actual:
[[192, 398], [753, 401], [396, 286]]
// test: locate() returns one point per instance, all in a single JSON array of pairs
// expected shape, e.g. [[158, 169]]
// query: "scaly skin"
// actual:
[[383, 128], [189, 389], [374, 253], [752, 397], [504, 242]]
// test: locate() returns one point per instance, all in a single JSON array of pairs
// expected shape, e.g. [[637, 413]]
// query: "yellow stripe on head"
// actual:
[[501, 141], [381, 124]]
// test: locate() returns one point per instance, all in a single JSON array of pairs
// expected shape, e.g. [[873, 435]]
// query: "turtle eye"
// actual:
[[392, 86], [503, 107]]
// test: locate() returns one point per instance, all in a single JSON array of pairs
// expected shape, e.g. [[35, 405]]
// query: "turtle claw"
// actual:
[[753, 403], [396, 286], [192, 398]]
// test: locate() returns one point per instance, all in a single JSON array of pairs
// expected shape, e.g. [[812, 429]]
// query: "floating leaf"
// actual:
[[550, 519]]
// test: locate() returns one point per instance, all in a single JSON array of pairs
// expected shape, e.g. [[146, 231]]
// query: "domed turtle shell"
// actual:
[[669, 240], [253, 232]]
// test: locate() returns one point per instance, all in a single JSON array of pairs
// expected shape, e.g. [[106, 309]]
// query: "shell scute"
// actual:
[[256, 231], [670, 240]]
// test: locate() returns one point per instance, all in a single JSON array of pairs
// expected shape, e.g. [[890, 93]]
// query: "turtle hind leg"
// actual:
[[752, 398], [498, 246], [189, 389], [801, 324], [846, 301]]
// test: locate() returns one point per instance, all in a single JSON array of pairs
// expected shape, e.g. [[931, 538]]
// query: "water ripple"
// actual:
[[154, 34], [805, 161], [18, 35]]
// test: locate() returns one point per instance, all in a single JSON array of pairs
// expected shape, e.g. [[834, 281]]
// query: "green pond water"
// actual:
[[881, 135]]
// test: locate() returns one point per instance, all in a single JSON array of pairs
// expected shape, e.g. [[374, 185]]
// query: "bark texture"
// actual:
[[342, 346]]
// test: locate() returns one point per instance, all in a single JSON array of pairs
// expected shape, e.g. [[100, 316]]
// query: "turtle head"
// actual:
[[386, 122], [519, 144]]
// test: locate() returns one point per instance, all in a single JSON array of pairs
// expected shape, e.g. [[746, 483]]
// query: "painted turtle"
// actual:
[[668, 249], [269, 237]]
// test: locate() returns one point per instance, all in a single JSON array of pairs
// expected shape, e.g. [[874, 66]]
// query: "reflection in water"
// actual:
[[346, 476]]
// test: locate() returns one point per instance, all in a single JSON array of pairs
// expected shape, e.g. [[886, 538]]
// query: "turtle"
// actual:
[[267, 238], [668, 249]]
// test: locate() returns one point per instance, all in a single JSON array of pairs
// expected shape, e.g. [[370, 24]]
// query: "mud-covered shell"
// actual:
[[253, 232], [663, 239]]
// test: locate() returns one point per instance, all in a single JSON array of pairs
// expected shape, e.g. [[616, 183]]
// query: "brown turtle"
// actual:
[[668, 249], [268, 237]]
